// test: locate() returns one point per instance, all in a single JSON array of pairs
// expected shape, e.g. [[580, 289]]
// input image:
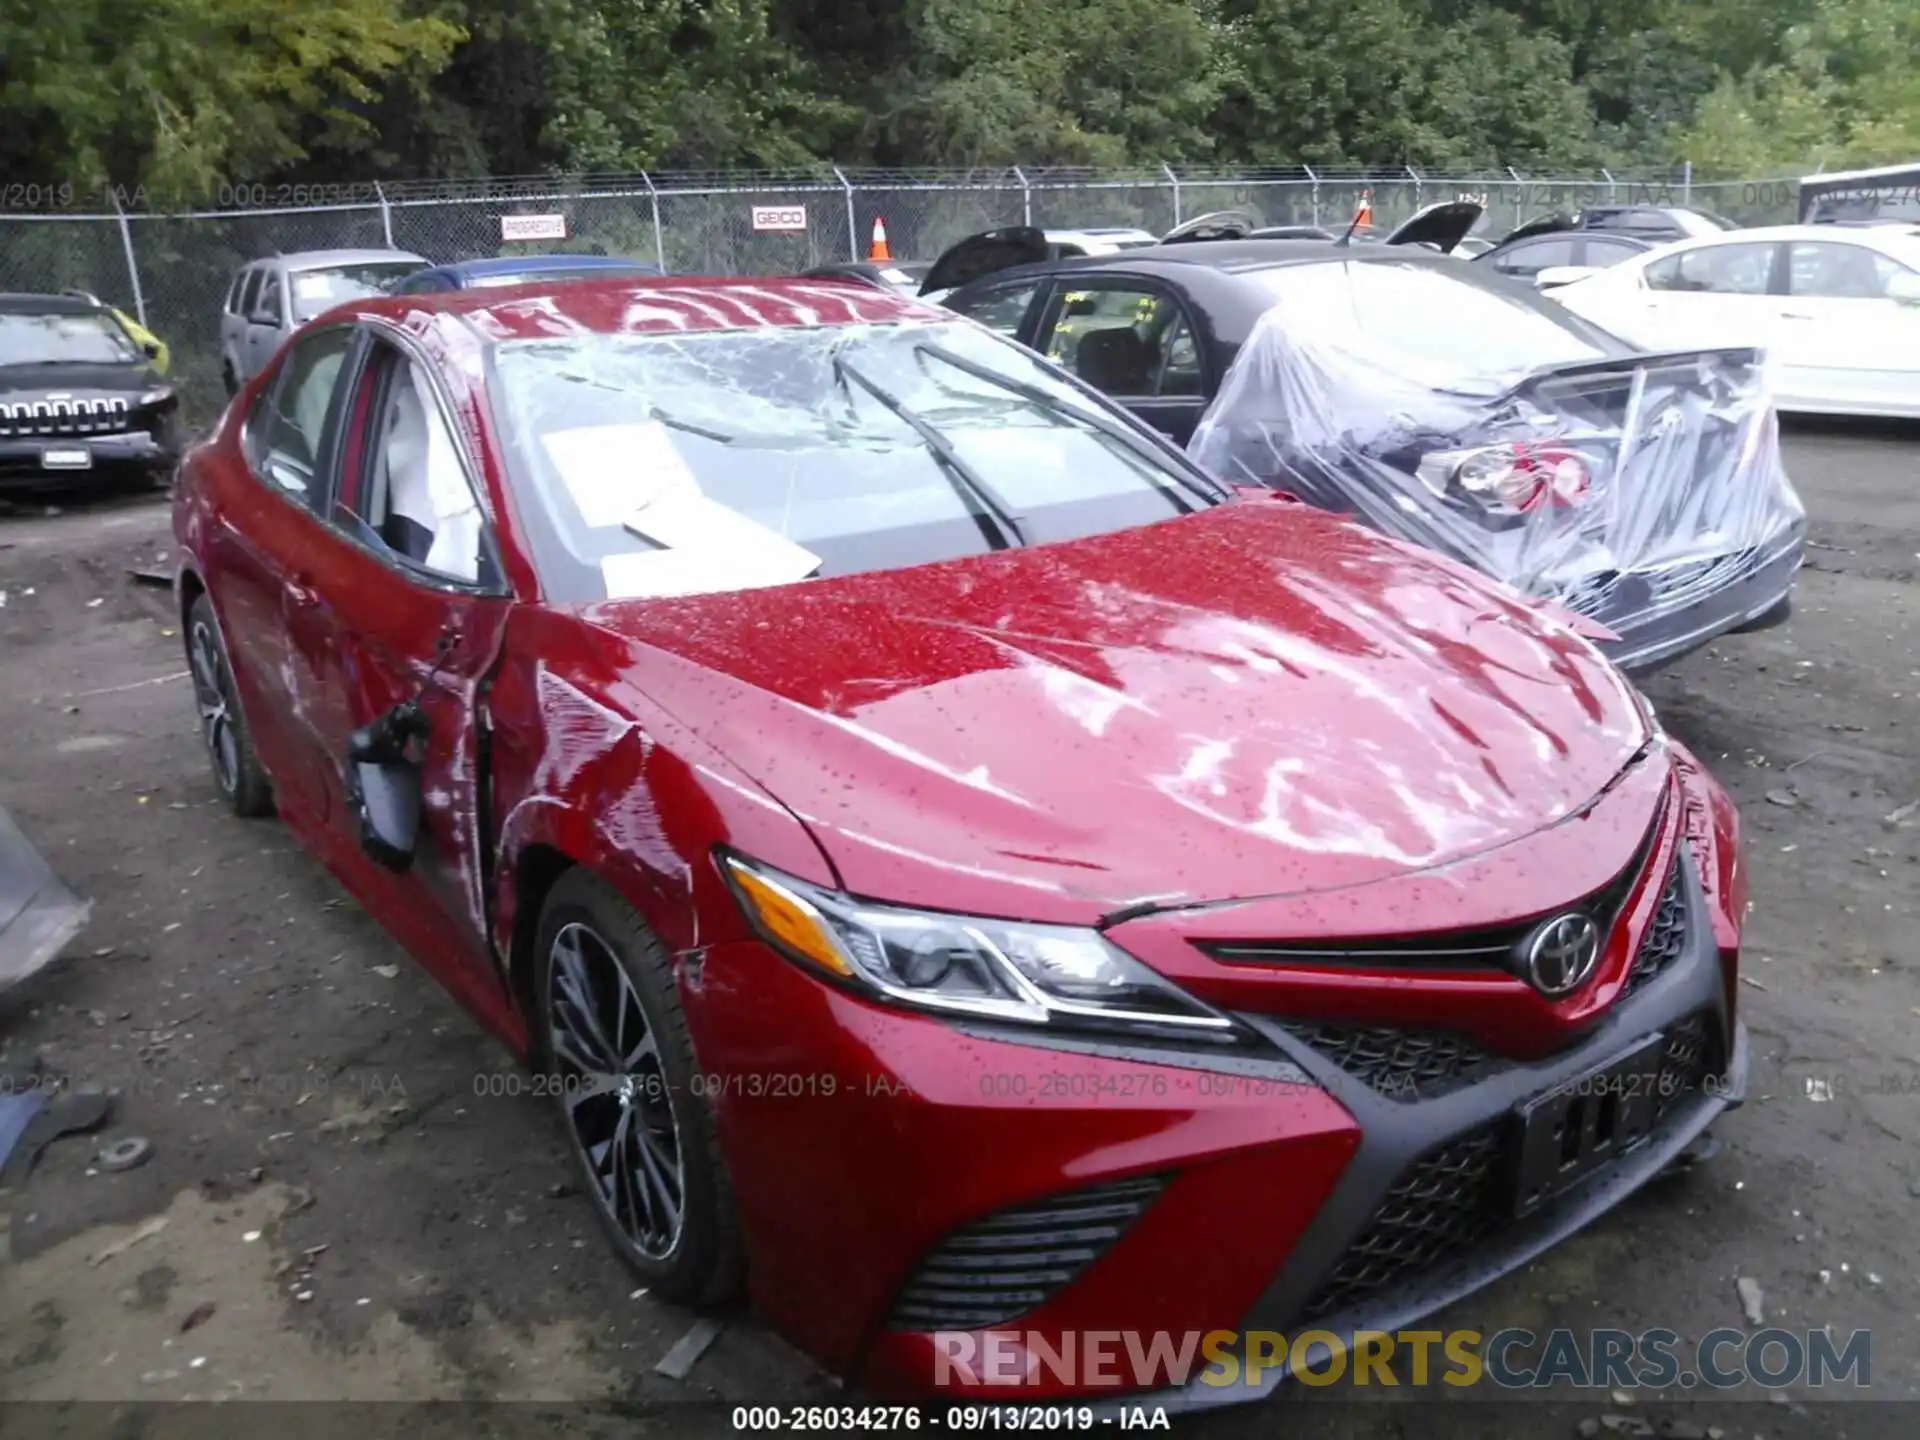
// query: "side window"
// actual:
[[1825, 270], [1531, 257], [409, 492], [233, 291], [289, 427], [267, 309], [1126, 341], [1601, 253], [1000, 310], [1179, 358], [1716, 270], [250, 291]]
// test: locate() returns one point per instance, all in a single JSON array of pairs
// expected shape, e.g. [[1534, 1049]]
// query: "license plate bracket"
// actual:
[[66, 457], [1585, 1123]]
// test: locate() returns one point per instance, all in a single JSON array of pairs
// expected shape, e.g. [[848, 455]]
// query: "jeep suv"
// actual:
[[78, 395]]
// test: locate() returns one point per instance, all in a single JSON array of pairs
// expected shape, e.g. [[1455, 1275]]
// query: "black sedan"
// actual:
[[1437, 401]]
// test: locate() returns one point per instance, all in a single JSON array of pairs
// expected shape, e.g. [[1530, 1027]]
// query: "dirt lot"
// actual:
[[353, 1216]]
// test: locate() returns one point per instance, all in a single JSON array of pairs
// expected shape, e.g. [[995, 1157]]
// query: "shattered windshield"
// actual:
[[1430, 325], [669, 464]]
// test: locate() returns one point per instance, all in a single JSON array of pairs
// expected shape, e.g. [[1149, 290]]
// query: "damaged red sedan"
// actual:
[[964, 874]]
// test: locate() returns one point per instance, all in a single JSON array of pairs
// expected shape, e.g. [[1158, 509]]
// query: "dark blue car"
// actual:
[[520, 270]]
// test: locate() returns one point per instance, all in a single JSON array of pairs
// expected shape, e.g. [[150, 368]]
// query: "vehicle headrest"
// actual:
[[1113, 360]]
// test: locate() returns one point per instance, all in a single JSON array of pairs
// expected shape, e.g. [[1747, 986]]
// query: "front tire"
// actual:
[[223, 729], [611, 1037]]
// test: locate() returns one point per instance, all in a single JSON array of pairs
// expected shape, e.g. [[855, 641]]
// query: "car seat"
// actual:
[[1116, 361]]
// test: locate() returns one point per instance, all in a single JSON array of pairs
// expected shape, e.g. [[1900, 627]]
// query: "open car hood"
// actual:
[[985, 254], [1215, 225], [1442, 225], [1541, 225]]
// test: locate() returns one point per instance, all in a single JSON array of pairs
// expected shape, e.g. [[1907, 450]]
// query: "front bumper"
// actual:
[[22, 461], [869, 1149], [1658, 636], [1322, 1288]]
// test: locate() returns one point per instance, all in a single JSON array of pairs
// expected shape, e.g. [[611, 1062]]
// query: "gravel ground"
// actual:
[[348, 1213]]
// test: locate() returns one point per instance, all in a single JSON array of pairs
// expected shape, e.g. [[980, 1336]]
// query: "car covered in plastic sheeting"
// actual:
[[912, 817], [1444, 404], [1644, 491]]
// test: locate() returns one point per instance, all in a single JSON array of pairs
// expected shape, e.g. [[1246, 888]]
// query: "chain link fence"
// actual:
[[172, 270]]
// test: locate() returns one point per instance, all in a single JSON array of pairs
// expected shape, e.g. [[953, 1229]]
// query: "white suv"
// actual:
[[269, 299]]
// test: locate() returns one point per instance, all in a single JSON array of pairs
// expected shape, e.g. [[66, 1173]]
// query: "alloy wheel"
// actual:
[[213, 699], [619, 1107]]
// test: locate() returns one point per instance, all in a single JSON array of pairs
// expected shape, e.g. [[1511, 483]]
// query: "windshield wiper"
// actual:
[[674, 422], [966, 480], [1053, 405]]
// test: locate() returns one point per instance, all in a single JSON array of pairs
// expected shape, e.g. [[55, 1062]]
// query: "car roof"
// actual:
[[23, 303], [322, 259], [1773, 234], [642, 306], [1231, 256], [536, 264]]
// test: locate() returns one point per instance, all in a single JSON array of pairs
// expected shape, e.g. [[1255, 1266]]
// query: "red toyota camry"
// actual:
[[968, 879]]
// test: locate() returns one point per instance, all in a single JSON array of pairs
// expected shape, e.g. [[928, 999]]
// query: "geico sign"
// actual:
[[779, 217]]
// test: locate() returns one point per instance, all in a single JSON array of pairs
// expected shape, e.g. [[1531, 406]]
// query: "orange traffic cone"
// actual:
[[1365, 214], [879, 250]]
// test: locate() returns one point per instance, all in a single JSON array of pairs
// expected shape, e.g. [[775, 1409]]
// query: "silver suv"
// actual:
[[269, 299]]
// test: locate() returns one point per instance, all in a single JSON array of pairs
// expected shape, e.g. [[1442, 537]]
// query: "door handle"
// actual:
[[300, 592], [1795, 315]]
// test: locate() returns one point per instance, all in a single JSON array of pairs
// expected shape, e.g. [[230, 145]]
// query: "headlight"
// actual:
[[157, 397], [1047, 975], [1512, 479]]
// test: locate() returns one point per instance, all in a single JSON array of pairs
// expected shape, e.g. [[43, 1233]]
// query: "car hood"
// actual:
[[1442, 225], [985, 254], [40, 379], [1214, 225], [1256, 700]]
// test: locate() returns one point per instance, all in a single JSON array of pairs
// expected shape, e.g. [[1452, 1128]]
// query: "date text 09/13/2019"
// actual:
[[950, 1419]]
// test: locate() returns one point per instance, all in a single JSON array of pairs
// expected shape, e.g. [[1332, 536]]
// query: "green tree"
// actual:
[[180, 95], [1837, 89], [1075, 81]]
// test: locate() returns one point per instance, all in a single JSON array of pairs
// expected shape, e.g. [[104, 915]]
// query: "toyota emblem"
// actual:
[[1562, 954]]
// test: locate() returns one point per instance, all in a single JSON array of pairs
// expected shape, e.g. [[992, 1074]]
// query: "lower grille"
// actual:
[[1689, 1065], [1666, 935], [995, 1269], [1453, 1198], [1446, 1202], [1404, 1065]]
